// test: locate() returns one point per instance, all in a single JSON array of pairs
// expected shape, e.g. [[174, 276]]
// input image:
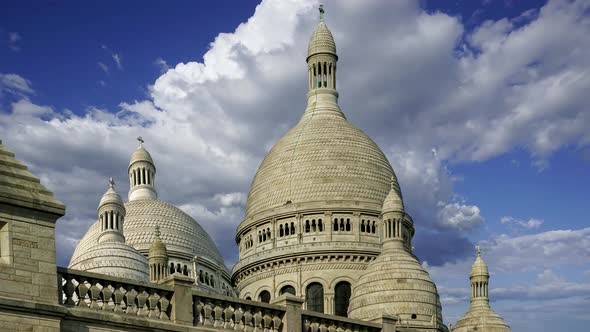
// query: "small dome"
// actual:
[[393, 201], [112, 258], [396, 284], [322, 40], [111, 196], [479, 267], [158, 248], [481, 318], [141, 154]]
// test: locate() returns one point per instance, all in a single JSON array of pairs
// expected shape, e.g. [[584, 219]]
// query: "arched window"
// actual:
[[307, 226], [286, 229], [313, 226], [185, 270], [287, 289], [292, 228], [373, 227], [363, 225], [335, 224], [341, 298], [268, 233], [171, 268], [264, 297], [281, 233], [320, 225], [314, 296], [248, 298], [341, 224]]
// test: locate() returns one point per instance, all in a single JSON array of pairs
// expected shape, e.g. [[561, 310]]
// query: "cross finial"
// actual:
[[321, 12], [392, 182], [140, 139], [157, 232], [478, 248], [111, 182]]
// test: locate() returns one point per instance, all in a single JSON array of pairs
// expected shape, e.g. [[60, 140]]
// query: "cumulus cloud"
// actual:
[[15, 84], [419, 84]]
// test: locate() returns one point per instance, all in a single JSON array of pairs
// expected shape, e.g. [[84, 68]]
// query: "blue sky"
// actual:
[[481, 107]]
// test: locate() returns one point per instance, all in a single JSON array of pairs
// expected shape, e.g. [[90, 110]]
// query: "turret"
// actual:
[[398, 227], [479, 278], [111, 215], [142, 174], [158, 258]]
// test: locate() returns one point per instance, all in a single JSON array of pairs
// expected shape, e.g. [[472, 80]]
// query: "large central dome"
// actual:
[[323, 158]]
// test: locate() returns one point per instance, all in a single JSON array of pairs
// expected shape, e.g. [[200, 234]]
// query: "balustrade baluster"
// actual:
[[217, 313], [141, 300], [118, 298], [130, 296], [164, 303], [276, 322], [69, 290], [258, 322], [323, 327], [314, 327], [248, 320], [208, 314], [238, 319], [106, 294], [153, 299], [228, 314], [306, 326], [82, 292], [198, 311], [94, 294], [332, 328]]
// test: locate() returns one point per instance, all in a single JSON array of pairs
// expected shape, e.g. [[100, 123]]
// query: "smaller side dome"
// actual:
[[393, 201], [479, 267], [321, 40]]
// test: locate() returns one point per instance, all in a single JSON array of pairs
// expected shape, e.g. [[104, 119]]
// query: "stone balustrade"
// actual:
[[318, 322], [107, 293], [228, 313]]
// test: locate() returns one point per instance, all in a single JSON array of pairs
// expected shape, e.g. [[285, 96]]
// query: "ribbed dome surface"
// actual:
[[481, 318], [393, 201], [141, 154], [396, 284], [179, 232], [158, 249], [321, 41], [323, 158], [112, 258]]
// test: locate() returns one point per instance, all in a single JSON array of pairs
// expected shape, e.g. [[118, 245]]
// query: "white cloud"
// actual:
[[459, 216], [118, 61], [162, 64], [15, 84], [13, 41], [531, 223]]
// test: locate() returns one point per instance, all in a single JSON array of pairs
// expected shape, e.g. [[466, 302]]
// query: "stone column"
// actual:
[[329, 226], [292, 319], [356, 226], [328, 302], [182, 299]]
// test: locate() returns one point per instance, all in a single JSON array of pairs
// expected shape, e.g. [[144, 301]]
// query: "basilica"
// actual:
[[325, 225]]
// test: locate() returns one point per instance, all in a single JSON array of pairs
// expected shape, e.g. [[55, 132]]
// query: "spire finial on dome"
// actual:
[[321, 13], [392, 182], [140, 139], [111, 182], [478, 248]]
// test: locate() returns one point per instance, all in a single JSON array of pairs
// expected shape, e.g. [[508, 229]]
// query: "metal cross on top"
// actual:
[[140, 139], [321, 12], [111, 182], [478, 248]]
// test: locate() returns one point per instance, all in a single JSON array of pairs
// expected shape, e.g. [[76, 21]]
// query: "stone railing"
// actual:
[[107, 293], [174, 305], [228, 313], [318, 322]]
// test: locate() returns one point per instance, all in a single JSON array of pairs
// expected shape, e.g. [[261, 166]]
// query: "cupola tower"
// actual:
[[142, 174], [111, 215]]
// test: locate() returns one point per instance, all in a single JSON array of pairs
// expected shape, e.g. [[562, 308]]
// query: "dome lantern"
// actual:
[[111, 214], [142, 174], [158, 258]]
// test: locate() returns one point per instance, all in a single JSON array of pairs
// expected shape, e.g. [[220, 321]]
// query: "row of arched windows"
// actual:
[[322, 75], [479, 289], [342, 224], [313, 226], [206, 278], [141, 176], [111, 220], [368, 226], [264, 235], [182, 269], [314, 297], [286, 230], [248, 242], [158, 272]]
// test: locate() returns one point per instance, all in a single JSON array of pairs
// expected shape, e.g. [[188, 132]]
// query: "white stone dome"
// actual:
[[111, 197], [396, 284], [141, 154], [112, 258], [323, 158], [321, 41], [182, 235]]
